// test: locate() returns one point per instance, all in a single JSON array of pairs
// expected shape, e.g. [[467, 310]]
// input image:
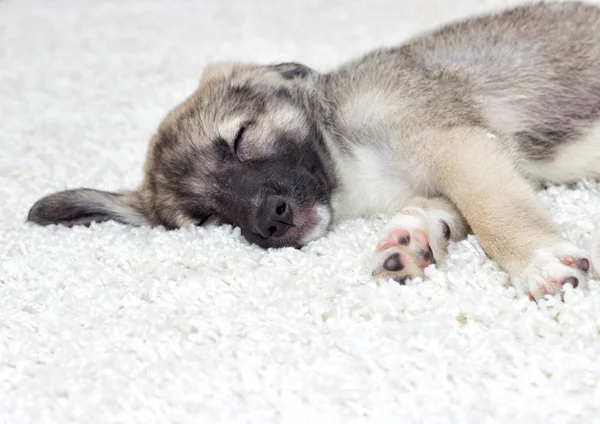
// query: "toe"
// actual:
[[394, 238], [421, 239], [572, 281], [445, 229], [426, 258], [583, 264], [579, 263]]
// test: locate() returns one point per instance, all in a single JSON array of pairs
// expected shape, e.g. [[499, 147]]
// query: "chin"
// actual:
[[317, 224]]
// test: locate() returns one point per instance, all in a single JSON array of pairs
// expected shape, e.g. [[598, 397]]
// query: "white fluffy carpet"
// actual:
[[112, 324]]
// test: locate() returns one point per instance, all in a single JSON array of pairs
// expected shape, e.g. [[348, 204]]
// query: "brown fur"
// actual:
[[473, 114]]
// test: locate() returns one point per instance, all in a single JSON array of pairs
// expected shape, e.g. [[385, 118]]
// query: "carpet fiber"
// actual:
[[112, 324]]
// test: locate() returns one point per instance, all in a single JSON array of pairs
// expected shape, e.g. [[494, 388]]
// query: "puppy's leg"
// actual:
[[417, 237], [476, 172]]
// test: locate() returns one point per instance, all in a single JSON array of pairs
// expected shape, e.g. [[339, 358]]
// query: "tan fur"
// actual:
[[470, 167], [469, 117], [201, 119]]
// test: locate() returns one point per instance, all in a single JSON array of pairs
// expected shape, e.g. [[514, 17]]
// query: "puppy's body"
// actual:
[[531, 76], [456, 125]]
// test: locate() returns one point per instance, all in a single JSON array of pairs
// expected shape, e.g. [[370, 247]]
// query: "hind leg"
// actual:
[[576, 159], [475, 172]]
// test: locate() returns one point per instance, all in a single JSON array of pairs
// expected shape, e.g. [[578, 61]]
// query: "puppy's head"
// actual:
[[245, 149]]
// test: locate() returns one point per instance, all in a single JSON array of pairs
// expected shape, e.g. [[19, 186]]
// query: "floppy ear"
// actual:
[[293, 70], [84, 206], [223, 70]]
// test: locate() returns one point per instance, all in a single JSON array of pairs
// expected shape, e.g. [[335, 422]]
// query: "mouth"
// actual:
[[310, 223], [315, 224]]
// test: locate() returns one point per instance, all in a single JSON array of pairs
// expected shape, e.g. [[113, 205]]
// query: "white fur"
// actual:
[[403, 220], [370, 182], [417, 219], [373, 178], [114, 324], [323, 221], [546, 271]]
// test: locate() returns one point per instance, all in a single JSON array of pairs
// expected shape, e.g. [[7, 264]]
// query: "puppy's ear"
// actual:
[[84, 206], [223, 71], [292, 70]]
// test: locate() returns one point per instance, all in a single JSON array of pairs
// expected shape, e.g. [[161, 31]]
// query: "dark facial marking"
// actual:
[[291, 70], [208, 181], [292, 172], [194, 208]]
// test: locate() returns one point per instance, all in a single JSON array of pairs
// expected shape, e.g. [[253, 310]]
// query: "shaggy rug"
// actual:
[[113, 324]]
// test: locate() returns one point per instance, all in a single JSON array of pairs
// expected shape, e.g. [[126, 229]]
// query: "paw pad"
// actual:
[[580, 263], [410, 243], [393, 263], [552, 268]]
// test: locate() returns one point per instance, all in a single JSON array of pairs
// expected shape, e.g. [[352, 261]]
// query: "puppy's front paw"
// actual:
[[411, 241], [550, 269]]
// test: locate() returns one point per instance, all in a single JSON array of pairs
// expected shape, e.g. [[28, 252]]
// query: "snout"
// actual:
[[274, 217], [281, 221]]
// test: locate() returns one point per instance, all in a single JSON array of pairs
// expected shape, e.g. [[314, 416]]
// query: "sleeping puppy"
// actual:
[[450, 132]]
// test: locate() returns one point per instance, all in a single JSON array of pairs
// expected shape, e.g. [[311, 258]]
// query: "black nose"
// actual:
[[274, 217]]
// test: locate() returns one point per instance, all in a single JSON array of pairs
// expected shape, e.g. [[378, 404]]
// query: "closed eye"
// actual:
[[238, 139], [205, 220]]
